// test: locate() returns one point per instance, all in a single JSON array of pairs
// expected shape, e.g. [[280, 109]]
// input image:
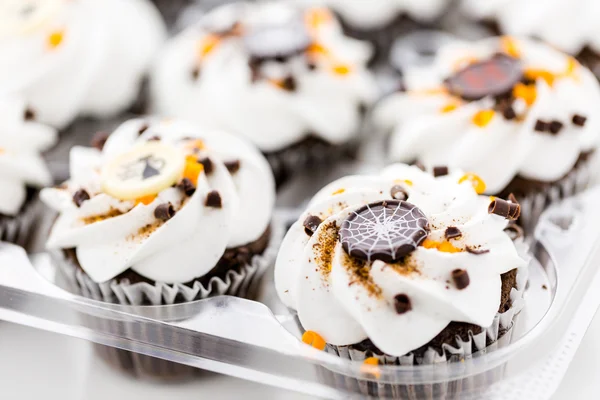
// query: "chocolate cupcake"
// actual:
[[518, 113], [403, 265], [382, 21], [163, 212], [22, 169], [284, 77], [567, 25], [77, 58]]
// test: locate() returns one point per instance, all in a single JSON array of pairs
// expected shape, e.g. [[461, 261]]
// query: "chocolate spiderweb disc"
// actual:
[[386, 231]]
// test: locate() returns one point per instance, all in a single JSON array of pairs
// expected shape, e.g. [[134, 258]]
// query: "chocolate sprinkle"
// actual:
[[555, 127], [398, 193], [195, 73], [579, 120], [289, 84], [207, 164], [154, 138], [233, 166], [164, 211], [460, 278], [311, 223], [80, 196], [311, 66], [143, 129], [213, 199], [541, 126], [440, 171], [29, 114], [187, 186], [505, 209], [99, 139], [475, 251], [452, 232], [402, 303], [509, 113]]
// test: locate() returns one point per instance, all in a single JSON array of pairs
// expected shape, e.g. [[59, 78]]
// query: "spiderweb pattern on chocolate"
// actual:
[[385, 231]]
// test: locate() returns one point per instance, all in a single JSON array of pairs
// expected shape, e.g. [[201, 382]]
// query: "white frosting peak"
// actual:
[[336, 298], [76, 57], [225, 72], [111, 235], [21, 165], [438, 128]]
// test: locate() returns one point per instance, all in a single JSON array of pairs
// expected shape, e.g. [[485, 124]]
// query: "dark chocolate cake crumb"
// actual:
[[311, 66], [154, 138], [544, 287], [80, 196], [555, 127], [452, 232], [29, 114], [402, 303], [213, 200], [311, 223], [289, 84], [164, 211], [195, 73], [440, 171], [460, 278], [99, 140], [187, 186], [207, 164], [233, 166], [579, 120], [509, 113], [143, 129], [541, 126]]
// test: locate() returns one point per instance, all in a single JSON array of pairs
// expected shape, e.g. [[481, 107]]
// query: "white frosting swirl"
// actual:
[[21, 164], [322, 284], [376, 13], [433, 126], [76, 57], [227, 93], [569, 25], [125, 235]]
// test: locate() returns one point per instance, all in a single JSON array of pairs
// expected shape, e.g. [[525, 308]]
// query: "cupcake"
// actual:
[[518, 113], [565, 24], [70, 58], [403, 266], [162, 212], [382, 21], [284, 77], [22, 169]]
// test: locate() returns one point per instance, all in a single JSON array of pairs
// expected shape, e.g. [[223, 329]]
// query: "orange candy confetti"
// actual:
[[370, 367], [525, 92], [444, 247], [483, 117], [339, 191], [316, 48], [145, 199], [55, 39], [314, 339], [208, 44], [476, 181], [195, 145], [341, 69], [510, 46], [448, 108], [192, 169]]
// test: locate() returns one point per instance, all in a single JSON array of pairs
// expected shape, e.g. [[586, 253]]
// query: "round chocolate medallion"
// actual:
[[142, 171], [386, 231], [493, 77]]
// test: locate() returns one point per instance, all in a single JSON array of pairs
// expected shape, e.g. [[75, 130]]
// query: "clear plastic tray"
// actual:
[[259, 341]]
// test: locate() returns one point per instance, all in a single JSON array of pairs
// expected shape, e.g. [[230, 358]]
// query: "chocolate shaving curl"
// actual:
[[311, 223], [505, 209]]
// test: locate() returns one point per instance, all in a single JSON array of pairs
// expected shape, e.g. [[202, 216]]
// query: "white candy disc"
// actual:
[[145, 170]]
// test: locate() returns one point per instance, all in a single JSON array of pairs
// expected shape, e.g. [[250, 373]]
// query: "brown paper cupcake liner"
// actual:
[[241, 283], [498, 335], [18, 229]]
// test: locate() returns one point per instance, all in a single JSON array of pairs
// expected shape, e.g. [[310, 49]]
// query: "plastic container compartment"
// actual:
[[260, 341]]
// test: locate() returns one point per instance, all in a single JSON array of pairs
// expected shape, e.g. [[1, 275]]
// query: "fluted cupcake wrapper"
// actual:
[[18, 229], [242, 283], [498, 335]]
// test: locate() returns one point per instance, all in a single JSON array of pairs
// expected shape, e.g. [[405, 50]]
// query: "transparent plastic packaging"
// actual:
[[259, 341]]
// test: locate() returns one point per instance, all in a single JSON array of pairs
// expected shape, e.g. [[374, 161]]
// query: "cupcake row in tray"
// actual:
[[261, 340]]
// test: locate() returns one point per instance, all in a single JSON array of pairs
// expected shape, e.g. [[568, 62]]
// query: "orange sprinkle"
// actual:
[[195, 145], [534, 74], [476, 181], [510, 47], [314, 339], [317, 48], [145, 199], [192, 169], [483, 117], [444, 247], [525, 92], [370, 367], [342, 69], [55, 39], [207, 44], [448, 108], [339, 191], [317, 17]]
